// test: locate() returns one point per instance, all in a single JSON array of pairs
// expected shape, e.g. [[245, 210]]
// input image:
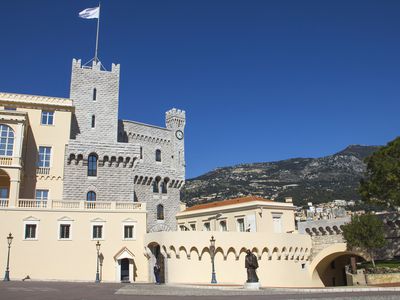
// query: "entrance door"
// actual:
[[125, 270]]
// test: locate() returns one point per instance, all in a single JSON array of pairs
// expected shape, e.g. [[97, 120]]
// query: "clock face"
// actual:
[[179, 134]]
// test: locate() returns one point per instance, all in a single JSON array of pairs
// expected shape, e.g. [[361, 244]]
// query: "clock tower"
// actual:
[[175, 120]]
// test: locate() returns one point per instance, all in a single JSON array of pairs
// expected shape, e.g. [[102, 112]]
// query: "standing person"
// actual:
[[251, 264], [157, 269]]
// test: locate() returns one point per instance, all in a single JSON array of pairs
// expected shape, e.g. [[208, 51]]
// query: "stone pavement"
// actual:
[[232, 290], [39, 290]]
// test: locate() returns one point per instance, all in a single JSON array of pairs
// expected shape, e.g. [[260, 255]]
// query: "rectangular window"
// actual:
[[3, 193], [65, 231], [44, 157], [47, 117], [128, 232], [97, 232], [240, 225], [9, 108], [206, 226], [277, 223], [222, 225], [42, 195], [30, 231]]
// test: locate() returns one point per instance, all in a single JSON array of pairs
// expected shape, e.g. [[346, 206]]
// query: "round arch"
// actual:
[[4, 187], [328, 267]]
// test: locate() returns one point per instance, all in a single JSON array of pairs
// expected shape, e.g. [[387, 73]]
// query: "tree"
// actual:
[[366, 233], [382, 181]]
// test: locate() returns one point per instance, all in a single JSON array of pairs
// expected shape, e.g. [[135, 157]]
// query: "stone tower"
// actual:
[[95, 94], [133, 161], [175, 120]]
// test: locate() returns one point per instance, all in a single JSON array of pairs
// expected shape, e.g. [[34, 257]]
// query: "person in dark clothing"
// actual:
[[157, 270], [251, 264]]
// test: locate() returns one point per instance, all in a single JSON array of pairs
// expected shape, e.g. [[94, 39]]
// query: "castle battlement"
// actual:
[[175, 118], [174, 112], [77, 63]]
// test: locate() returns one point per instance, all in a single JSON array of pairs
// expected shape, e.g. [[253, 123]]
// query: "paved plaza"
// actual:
[[17, 290]]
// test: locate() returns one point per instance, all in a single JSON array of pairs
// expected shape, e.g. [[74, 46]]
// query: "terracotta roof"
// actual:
[[227, 202]]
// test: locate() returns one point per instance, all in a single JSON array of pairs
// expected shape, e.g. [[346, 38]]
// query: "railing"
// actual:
[[10, 160], [31, 203], [5, 161], [3, 202], [128, 205], [76, 205], [43, 171], [97, 205], [66, 204]]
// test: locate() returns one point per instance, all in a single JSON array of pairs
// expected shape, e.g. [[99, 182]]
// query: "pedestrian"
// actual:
[[157, 269]]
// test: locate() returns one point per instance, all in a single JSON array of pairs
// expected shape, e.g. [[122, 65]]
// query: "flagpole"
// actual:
[[97, 37]]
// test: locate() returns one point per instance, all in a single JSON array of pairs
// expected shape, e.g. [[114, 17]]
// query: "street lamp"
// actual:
[[212, 254], [7, 274], [97, 272]]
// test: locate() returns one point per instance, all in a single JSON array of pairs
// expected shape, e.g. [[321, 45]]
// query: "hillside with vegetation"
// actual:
[[314, 180]]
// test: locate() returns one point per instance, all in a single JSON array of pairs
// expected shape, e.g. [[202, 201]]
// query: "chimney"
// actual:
[[288, 199]]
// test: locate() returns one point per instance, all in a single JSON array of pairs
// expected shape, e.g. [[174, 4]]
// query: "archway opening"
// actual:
[[333, 268], [157, 258], [4, 187]]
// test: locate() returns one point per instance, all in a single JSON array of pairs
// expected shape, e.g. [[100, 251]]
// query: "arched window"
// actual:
[[6, 140], [160, 212], [91, 196], [155, 185], [93, 121], [158, 155], [164, 187], [94, 94], [92, 165]]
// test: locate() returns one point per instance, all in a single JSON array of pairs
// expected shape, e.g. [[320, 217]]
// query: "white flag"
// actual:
[[90, 13]]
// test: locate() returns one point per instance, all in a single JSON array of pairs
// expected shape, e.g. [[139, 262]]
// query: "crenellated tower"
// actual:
[[95, 93]]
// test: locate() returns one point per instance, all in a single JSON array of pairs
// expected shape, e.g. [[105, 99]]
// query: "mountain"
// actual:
[[314, 180]]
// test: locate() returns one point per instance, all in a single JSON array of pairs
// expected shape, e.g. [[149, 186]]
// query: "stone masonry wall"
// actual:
[[128, 168], [105, 108], [114, 180]]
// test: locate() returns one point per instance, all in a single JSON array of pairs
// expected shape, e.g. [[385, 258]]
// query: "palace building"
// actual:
[[73, 175]]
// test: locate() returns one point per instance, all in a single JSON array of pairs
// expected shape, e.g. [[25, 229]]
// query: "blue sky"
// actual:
[[259, 80]]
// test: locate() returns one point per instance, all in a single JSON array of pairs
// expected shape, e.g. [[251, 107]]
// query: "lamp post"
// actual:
[[212, 254], [7, 274], [97, 272]]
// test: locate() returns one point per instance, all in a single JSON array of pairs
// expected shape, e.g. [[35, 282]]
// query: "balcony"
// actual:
[[7, 161], [42, 171], [76, 205]]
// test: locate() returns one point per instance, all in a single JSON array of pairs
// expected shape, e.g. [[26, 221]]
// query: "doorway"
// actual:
[[125, 270], [157, 257]]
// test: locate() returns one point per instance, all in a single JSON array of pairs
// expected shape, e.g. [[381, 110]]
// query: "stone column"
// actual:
[[14, 193]]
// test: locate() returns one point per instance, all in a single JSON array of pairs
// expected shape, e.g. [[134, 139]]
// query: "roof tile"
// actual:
[[227, 202]]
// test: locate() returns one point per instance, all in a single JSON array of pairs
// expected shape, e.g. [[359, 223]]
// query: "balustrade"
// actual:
[[43, 171], [9, 161], [3, 202], [75, 205]]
